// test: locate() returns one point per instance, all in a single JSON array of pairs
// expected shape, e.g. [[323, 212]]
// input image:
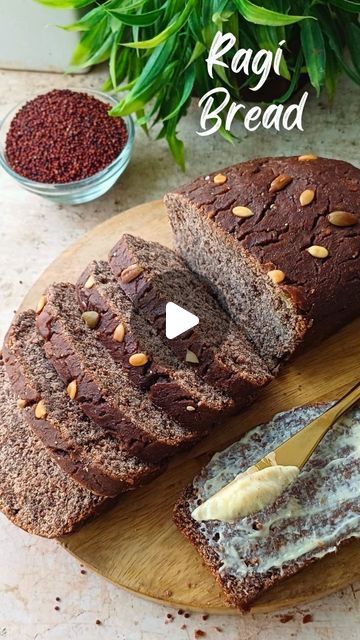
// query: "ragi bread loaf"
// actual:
[[172, 386], [83, 450], [100, 386], [35, 494], [278, 240], [152, 275], [318, 512]]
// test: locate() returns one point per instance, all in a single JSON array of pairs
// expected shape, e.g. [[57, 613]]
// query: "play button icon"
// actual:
[[178, 320]]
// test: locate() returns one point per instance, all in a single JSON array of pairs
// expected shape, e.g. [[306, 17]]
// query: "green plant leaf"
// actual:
[[347, 5], [177, 149], [138, 19], [87, 22], [65, 4], [169, 31], [336, 44], [150, 79], [313, 46], [332, 73], [197, 52], [294, 80], [260, 15], [353, 43], [90, 44], [268, 39], [189, 79], [118, 70], [195, 27]]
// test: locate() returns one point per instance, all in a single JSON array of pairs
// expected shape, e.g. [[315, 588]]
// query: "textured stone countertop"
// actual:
[[34, 572]]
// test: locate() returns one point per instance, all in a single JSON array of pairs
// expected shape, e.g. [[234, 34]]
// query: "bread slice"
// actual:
[[84, 451], [307, 296], [35, 494], [172, 386], [225, 357], [317, 514], [100, 386]]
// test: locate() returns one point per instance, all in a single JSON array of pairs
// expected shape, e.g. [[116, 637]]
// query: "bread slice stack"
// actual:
[[95, 398]]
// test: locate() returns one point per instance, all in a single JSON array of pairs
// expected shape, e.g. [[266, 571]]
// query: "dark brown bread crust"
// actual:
[[323, 294], [170, 386], [213, 340], [92, 458], [35, 494], [66, 347]]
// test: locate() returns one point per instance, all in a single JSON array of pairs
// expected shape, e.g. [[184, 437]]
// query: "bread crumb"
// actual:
[[58, 599], [168, 593], [180, 612], [199, 633], [186, 615], [98, 622], [307, 618], [205, 616], [183, 626], [286, 618], [83, 572], [57, 608]]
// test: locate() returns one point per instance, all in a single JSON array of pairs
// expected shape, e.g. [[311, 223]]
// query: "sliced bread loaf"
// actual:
[[100, 386], [152, 275], [278, 240], [35, 494], [171, 385], [83, 450], [317, 514]]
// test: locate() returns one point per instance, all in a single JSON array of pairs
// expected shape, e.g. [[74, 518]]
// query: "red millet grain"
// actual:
[[63, 136]]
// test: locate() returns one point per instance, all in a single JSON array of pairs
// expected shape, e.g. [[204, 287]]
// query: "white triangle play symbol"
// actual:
[[178, 320]]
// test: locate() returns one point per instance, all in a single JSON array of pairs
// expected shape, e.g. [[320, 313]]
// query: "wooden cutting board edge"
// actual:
[[67, 264], [227, 609]]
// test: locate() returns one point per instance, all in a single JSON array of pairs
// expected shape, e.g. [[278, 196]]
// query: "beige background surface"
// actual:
[[34, 572]]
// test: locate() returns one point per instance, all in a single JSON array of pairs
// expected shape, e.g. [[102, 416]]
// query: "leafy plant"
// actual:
[[156, 49]]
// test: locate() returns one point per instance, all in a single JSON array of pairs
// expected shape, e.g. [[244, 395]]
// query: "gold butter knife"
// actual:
[[297, 449]]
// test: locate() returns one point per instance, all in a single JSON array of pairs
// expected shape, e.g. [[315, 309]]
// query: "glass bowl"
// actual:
[[82, 190]]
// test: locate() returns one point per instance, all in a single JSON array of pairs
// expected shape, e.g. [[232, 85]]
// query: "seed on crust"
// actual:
[[71, 389], [41, 304], [242, 212], [306, 197], [219, 178], [280, 183], [21, 404], [190, 408], [191, 357], [119, 333], [342, 218], [89, 282], [130, 273], [276, 275], [91, 318], [40, 410], [138, 359], [307, 157], [317, 251]]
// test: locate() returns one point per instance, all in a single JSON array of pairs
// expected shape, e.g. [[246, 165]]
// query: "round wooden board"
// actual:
[[135, 544]]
